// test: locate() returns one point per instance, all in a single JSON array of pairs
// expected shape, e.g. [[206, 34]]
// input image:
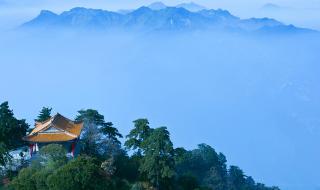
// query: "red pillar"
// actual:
[[73, 147]]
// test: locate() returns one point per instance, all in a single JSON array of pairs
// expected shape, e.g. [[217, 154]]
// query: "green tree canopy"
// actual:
[[205, 164], [158, 163], [111, 132], [138, 134], [54, 154], [188, 182], [44, 114], [83, 173], [97, 133], [237, 179], [91, 116], [24, 180], [11, 129]]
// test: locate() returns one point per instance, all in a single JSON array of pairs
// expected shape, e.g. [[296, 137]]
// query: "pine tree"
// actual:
[[97, 133], [44, 115], [138, 134], [158, 163], [11, 129]]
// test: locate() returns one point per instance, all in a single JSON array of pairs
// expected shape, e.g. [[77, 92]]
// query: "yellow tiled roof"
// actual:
[[55, 137], [66, 130]]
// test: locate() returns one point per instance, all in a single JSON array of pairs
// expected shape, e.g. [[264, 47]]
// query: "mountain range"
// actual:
[[158, 16]]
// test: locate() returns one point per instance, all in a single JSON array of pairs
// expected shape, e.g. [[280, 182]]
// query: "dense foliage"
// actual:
[[98, 136], [12, 130], [153, 163], [44, 114]]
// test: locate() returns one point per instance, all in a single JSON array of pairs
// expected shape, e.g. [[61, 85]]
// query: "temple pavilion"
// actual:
[[59, 130]]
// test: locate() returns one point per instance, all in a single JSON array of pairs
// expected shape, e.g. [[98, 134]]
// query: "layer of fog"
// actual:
[[256, 99]]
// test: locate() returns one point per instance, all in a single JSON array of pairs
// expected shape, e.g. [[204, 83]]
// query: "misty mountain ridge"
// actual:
[[157, 5], [193, 7], [158, 18], [272, 7]]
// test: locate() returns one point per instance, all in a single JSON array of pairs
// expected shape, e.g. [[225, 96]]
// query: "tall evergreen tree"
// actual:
[[91, 116], [44, 115], [11, 129], [237, 179], [111, 132], [158, 161], [138, 135], [97, 132]]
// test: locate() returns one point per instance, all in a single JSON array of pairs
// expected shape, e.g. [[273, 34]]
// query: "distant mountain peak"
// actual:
[[141, 10], [158, 5], [45, 18], [217, 12], [47, 13], [77, 9], [191, 6], [82, 10], [271, 7]]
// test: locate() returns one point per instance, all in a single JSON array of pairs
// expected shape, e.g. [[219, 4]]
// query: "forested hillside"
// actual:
[[146, 160]]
